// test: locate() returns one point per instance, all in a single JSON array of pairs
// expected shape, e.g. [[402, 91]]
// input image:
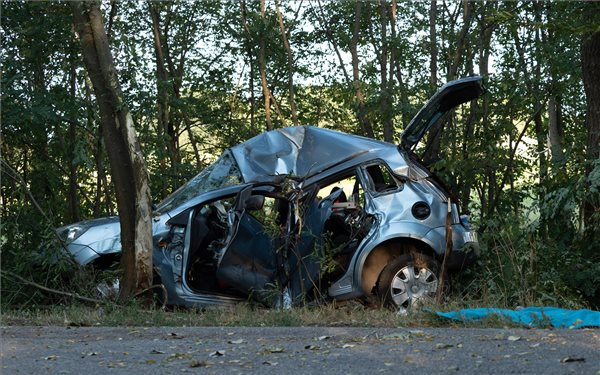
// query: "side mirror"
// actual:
[[243, 196], [255, 202]]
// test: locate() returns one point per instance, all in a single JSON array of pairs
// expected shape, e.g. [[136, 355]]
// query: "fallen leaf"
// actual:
[[348, 346], [273, 350], [572, 359], [397, 336], [115, 364], [151, 361], [196, 363], [176, 356], [514, 338]]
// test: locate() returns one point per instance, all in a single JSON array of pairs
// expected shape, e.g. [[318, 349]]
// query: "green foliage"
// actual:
[[493, 153], [549, 260]]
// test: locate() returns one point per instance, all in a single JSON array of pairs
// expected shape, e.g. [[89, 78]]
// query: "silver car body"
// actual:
[[300, 158]]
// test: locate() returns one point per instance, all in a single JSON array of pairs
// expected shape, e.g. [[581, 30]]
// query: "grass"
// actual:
[[350, 314]]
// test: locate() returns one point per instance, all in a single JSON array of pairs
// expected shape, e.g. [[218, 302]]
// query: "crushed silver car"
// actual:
[[305, 213]]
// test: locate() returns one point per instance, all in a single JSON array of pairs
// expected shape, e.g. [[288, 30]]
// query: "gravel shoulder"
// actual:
[[306, 350]]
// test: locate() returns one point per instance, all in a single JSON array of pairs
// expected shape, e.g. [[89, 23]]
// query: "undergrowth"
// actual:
[[241, 315]]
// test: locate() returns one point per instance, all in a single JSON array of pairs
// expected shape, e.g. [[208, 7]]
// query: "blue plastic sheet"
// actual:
[[531, 316]]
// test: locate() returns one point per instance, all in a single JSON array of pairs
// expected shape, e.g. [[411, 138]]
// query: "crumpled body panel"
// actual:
[[299, 151]]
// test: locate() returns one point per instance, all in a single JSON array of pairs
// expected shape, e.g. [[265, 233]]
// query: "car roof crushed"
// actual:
[[301, 151]]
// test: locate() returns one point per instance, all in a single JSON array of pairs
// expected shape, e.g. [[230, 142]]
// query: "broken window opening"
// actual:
[[346, 227], [381, 180]]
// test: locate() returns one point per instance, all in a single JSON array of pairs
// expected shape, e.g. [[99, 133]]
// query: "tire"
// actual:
[[408, 281]]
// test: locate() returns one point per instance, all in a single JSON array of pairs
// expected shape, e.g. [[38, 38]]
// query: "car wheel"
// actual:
[[408, 281]]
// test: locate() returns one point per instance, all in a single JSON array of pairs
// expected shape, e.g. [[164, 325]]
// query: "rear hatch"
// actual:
[[449, 96]]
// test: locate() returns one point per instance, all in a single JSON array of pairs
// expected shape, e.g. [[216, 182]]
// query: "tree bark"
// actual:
[[590, 61], [128, 167]]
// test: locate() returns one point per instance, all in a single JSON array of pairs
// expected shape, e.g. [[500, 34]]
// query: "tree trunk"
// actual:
[[128, 167], [73, 186], [385, 96], [462, 41], [478, 114], [558, 157], [590, 61], [433, 46], [250, 60], [288, 50], [364, 122], [166, 87], [434, 137], [162, 93], [262, 66]]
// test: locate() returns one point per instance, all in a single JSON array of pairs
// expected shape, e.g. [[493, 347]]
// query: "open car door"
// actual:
[[278, 262]]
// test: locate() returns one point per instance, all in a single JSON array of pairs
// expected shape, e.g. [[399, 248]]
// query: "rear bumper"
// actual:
[[466, 249]]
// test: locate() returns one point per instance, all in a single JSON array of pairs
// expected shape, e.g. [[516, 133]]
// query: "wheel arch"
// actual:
[[381, 254]]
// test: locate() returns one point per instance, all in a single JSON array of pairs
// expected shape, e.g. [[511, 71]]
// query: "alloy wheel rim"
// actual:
[[413, 285]]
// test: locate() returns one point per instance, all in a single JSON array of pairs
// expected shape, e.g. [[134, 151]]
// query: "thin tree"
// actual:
[[590, 61], [262, 66], [128, 167], [290, 63], [365, 124]]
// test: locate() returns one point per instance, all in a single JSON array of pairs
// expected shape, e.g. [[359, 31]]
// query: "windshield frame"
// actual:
[[224, 172]]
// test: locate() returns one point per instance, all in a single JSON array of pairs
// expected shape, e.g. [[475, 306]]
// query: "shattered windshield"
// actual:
[[222, 173]]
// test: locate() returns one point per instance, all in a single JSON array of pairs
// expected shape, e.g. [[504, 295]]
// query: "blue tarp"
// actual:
[[531, 316]]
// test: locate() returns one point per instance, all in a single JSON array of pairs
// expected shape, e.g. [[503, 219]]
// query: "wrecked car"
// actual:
[[303, 214]]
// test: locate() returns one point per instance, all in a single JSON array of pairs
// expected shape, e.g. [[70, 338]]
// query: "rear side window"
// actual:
[[381, 180]]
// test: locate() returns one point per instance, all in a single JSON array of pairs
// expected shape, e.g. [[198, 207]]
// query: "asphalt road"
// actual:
[[304, 350]]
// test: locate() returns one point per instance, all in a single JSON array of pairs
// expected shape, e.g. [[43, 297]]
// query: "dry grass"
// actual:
[[351, 314]]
